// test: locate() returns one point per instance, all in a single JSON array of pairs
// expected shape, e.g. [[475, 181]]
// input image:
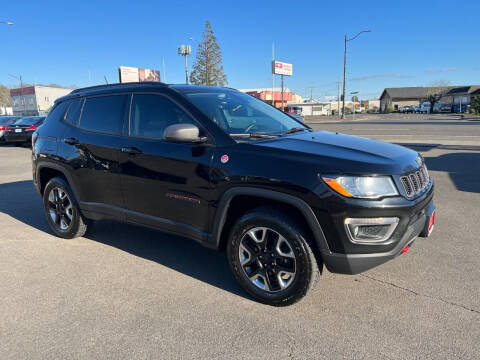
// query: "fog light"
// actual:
[[370, 230]]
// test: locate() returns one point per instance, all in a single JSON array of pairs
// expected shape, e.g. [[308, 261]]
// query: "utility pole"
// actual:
[[311, 93], [283, 108], [345, 66], [19, 78], [338, 99], [273, 75], [185, 50], [164, 71], [344, 76]]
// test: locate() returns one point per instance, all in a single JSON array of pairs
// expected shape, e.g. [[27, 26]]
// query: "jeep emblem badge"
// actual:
[[224, 159]]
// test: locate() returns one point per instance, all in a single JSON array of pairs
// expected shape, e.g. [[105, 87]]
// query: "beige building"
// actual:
[[35, 100], [394, 98]]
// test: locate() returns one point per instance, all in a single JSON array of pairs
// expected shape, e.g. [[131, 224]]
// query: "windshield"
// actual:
[[28, 121], [241, 114]]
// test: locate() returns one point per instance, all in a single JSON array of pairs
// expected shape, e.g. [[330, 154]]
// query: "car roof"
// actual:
[[135, 86]]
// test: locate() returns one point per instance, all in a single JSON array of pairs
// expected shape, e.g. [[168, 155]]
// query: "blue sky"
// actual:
[[413, 43]]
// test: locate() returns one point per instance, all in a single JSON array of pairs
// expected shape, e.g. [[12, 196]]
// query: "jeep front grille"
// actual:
[[416, 181]]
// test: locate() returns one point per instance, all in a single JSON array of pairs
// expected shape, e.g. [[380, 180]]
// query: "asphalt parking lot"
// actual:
[[124, 292]]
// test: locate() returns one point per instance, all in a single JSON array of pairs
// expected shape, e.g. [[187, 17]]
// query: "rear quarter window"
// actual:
[[73, 114], [58, 112]]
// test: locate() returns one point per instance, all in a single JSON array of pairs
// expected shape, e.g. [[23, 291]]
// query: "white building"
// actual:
[[313, 107], [35, 100]]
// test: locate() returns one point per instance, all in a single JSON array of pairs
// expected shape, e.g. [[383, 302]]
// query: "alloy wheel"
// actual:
[[267, 259], [60, 208]]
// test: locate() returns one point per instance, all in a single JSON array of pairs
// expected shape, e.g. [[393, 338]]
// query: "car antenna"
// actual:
[[105, 77]]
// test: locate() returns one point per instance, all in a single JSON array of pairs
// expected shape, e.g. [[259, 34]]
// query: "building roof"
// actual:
[[464, 90], [414, 93]]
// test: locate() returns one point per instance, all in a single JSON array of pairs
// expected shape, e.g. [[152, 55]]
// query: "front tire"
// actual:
[[272, 258], [61, 210]]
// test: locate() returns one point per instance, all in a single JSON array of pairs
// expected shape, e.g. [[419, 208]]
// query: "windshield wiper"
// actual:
[[293, 130], [255, 135]]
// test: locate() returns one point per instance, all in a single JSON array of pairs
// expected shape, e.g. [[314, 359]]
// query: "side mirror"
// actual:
[[183, 133]]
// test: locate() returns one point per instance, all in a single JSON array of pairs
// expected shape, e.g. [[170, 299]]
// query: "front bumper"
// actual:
[[350, 258]]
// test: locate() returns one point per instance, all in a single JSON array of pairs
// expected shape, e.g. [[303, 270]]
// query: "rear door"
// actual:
[[93, 143], [164, 184]]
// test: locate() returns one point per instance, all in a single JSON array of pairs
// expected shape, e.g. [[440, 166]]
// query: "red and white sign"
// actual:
[[282, 68]]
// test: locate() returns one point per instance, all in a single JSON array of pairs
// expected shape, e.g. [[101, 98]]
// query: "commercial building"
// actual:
[[313, 107], [460, 96], [265, 94], [394, 98], [35, 100]]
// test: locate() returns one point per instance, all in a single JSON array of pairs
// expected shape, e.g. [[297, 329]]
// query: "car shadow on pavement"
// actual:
[[177, 253], [462, 167], [20, 200]]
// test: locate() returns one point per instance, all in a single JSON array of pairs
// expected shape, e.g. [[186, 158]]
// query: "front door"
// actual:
[[164, 184]]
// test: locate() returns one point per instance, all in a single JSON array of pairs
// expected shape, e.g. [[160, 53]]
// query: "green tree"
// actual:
[[208, 68], [475, 102]]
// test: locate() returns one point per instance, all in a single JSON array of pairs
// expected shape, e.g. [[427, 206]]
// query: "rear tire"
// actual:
[[272, 258], [61, 210]]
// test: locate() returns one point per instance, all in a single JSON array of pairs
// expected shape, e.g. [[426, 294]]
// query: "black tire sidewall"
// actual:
[[293, 234], [76, 217]]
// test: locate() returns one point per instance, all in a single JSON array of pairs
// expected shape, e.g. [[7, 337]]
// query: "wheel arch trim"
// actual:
[[299, 204], [57, 167]]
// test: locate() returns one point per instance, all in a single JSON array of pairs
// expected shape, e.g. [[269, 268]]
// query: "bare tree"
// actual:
[[434, 95]]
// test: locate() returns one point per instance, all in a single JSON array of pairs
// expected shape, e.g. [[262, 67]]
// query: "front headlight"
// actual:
[[366, 187]]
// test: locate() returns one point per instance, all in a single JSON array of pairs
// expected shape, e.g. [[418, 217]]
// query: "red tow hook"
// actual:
[[405, 249]]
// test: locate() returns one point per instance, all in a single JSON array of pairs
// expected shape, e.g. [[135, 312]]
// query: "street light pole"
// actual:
[[345, 66]]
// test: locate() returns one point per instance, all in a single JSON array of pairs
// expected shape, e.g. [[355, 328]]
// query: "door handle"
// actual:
[[71, 141], [131, 150]]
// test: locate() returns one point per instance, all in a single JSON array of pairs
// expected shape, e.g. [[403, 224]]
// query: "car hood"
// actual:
[[340, 153]]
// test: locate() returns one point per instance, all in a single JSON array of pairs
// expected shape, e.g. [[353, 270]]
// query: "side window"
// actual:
[[73, 113], [152, 114], [57, 112], [104, 113]]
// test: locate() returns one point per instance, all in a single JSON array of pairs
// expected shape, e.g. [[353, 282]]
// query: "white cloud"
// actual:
[[442, 70]]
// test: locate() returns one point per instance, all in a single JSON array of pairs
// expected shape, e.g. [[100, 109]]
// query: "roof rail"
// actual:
[[118, 84]]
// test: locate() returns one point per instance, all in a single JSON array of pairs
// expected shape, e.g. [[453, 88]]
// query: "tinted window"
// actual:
[[104, 113], [152, 114], [58, 111], [73, 114]]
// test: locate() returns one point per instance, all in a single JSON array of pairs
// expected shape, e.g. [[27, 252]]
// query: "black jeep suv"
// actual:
[[235, 174]]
